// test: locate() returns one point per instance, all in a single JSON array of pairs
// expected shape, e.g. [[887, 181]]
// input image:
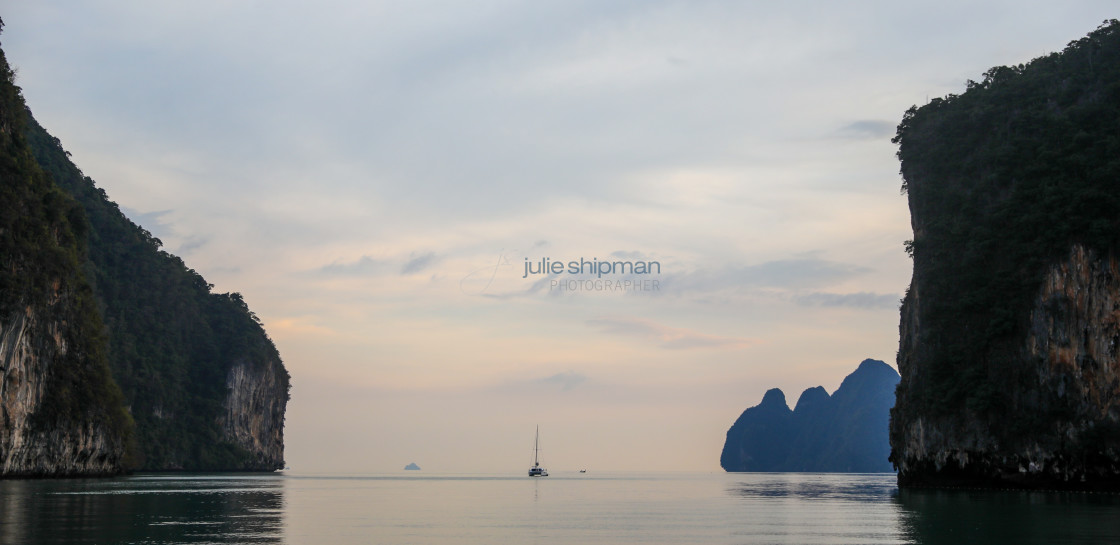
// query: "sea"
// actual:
[[565, 508]]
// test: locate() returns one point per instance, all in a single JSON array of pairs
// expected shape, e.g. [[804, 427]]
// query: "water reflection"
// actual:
[[800, 508], [815, 508], [146, 508], [820, 486], [1003, 516], [785, 508]]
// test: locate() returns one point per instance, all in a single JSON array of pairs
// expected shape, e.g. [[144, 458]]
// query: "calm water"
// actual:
[[571, 508]]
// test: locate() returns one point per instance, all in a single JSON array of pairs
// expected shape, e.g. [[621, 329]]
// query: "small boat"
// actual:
[[583, 471], [537, 470]]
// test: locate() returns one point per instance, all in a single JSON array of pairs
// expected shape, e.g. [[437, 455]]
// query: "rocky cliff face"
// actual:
[[1071, 352], [760, 438], [193, 365], [1010, 332], [254, 412], [113, 354], [30, 350], [60, 412], [1074, 336]]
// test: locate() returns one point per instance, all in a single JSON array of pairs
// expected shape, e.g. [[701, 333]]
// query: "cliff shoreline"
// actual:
[[1009, 345], [114, 355]]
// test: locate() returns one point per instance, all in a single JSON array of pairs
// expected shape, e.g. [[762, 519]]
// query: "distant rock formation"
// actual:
[[844, 432], [412, 467], [1010, 330]]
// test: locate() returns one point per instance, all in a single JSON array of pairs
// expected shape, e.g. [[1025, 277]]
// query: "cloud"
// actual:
[[300, 326], [364, 265], [566, 381], [799, 272], [536, 385], [674, 338], [632, 255], [871, 129], [861, 299], [152, 221], [419, 263], [795, 273], [535, 288], [146, 218]]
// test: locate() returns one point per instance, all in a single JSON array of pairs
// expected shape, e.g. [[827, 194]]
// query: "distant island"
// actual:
[[844, 432], [1010, 330], [412, 467], [116, 355]]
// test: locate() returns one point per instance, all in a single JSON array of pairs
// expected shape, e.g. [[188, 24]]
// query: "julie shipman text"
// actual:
[[596, 267]]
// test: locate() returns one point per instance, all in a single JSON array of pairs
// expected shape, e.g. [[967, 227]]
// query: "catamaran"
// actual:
[[537, 470]]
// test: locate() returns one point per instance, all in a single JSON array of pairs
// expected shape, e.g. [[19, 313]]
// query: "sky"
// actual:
[[373, 177]]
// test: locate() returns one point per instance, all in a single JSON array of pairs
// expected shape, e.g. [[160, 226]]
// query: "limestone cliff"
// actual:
[[1010, 329], [1065, 420], [34, 443], [254, 411], [760, 438], [205, 384], [60, 412], [115, 355]]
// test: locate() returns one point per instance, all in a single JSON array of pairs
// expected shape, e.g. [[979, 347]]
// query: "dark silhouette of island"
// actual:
[[412, 467], [842, 433]]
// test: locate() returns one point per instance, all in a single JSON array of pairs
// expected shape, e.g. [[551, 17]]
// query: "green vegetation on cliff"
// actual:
[[1010, 330], [1003, 179], [149, 352], [42, 248], [171, 341]]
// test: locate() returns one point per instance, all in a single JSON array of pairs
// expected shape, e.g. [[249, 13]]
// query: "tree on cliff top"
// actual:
[[1003, 180]]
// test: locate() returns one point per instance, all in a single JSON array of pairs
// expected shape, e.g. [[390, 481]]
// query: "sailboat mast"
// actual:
[[537, 470]]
